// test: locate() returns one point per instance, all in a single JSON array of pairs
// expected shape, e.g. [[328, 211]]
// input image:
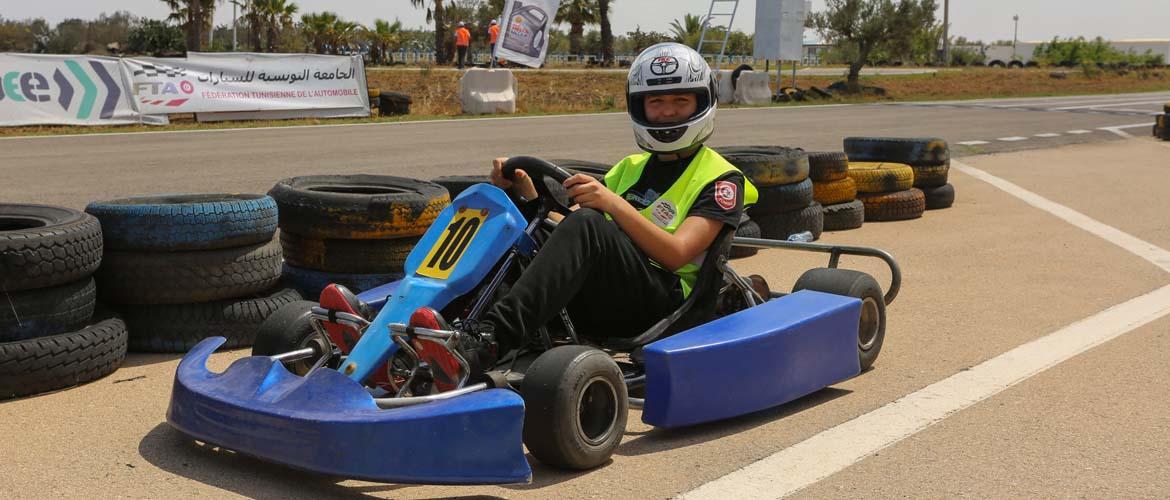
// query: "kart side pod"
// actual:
[[754, 359]]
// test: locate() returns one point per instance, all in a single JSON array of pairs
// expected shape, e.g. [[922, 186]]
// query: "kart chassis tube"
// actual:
[[835, 252]]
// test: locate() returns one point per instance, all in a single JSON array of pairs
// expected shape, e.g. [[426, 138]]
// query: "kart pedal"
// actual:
[[445, 368], [338, 298]]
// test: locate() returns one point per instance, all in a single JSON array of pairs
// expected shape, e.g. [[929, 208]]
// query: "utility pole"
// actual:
[[234, 4], [1015, 35], [946, 32]]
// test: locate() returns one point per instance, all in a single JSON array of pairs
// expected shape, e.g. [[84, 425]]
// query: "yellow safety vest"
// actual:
[[670, 209]]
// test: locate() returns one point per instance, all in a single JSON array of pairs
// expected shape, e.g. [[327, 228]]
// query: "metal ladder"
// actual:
[[707, 24]]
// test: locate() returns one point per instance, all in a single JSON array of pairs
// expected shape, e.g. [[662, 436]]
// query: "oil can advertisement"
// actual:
[[524, 39]]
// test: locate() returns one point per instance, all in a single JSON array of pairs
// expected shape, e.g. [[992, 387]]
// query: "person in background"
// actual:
[[462, 42], [493, 35]]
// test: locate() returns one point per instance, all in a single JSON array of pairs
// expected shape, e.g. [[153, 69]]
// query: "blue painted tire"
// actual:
[[310, 282], [179, 222]]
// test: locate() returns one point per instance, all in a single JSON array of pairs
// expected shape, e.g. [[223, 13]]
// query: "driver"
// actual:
[[630, 253]]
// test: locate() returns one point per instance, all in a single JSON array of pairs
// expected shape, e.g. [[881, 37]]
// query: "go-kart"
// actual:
[[374, 386]]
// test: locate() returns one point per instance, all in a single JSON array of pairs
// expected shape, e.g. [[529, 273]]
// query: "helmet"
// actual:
[[493, 21], [671, 68], [461, 24]]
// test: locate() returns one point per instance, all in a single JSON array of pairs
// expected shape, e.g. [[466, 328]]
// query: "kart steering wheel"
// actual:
[[540, 171]]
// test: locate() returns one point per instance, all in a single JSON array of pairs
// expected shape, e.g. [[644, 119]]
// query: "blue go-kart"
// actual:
[[370, 387]]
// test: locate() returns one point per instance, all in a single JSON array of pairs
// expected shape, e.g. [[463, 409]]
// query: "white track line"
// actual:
[[972, 143], [1012, 139], [1079, 132], [1047, 135], [837, 448], [1119, 129], [1108, 105]]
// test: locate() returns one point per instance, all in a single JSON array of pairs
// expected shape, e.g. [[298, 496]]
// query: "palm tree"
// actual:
[[279, 15], [689, 31], [343, 33], [255, 18], [194, 17], [435, 12], [385, 37], [318, 29], [606, 32], [577, 13]]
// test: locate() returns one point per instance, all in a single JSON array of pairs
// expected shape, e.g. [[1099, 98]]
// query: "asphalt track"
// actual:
[[1054, 238]]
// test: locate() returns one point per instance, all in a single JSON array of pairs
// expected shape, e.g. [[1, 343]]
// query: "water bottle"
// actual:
[[802, 237]]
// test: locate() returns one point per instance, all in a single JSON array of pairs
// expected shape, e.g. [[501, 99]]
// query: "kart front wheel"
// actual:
[[871, 331], [289, 329], [575, 407]]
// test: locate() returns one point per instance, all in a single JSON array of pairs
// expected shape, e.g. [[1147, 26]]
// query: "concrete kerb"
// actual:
[[487, 91]]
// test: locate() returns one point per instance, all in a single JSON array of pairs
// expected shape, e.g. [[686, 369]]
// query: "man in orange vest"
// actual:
[[462, 42], [493, 35]]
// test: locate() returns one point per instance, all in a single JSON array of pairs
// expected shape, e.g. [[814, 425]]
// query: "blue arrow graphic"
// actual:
[[66, 97], [113, 93], [90, 89]]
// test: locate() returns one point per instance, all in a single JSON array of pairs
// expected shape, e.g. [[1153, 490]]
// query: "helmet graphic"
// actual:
[[671, 68]]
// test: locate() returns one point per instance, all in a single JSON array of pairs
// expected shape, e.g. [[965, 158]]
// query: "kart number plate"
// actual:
[[453, 244]]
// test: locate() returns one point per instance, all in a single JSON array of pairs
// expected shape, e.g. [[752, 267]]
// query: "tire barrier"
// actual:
[[768, 165], [1162, 124], [394, 103], [354, 230], [844, 216], [747, 229], [881, 177], [928, 159], [50, 336], [916, 152], [753, 88], [455, 184], [898, 205], [780, 226], [176, 259], [487, 91], [939, 197], [834, 192], [827, 166]]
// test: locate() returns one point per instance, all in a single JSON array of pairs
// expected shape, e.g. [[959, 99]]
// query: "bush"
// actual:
[[967, 57], [155, 37], [1080, 52]]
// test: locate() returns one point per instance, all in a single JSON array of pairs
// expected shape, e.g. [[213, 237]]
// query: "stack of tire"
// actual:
[[353, 230], [52, 334], [785, 206], [1162, 124], [184, 267], [835, 190], [929, 159], [375, 98]]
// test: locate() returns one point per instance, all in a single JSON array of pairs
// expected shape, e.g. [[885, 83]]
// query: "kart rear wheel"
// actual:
[[871, 330], [575, 407], [289, 329]]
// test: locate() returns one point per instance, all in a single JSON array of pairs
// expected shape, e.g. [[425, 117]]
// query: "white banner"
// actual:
[[524, 36], [780, 29], [40, 89], [238, 82]]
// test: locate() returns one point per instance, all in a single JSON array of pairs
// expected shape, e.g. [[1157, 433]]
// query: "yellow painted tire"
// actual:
[[900, 205], [357, 207], [834, 192], [373, 92], [879, 177], [931, 176]]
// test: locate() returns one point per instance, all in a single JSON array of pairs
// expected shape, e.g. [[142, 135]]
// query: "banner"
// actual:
[[40, 89], [524, 37], [239, 82]]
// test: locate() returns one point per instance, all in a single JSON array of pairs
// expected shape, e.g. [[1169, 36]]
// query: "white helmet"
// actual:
[[671, 68]]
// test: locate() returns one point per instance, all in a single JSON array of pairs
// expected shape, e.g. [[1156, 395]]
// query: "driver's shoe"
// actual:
[[447, 371]]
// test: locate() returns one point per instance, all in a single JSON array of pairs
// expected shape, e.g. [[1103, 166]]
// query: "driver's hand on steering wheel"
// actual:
[[588, 192], [522, 186]]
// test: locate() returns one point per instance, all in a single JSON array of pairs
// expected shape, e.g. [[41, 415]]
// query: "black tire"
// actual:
[[575, 407], [898, 205], [43, 246], [188, 277], [746, 229], [289, 329], [827, 166], [844, 216], [939, 197], [46, 311], [1166, 108], [456, 184], [356, 207], [178, 327], [185, 221], [928, 177], [768, 165], [346, 256], [310, 282], [872, 328], [781, 199], [916, 152], [780, 226], [49, 363], [738, 71]]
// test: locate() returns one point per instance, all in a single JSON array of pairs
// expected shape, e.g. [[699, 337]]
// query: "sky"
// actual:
[[987, 20]]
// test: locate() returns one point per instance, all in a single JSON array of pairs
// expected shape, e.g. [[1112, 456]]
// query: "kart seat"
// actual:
[[700, 305]]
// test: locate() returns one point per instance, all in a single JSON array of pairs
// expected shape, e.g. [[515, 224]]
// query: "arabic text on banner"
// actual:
[[233, 82]]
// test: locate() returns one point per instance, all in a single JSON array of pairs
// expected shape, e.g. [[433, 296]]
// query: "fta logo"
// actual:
[[164, 93], [75, 89]]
